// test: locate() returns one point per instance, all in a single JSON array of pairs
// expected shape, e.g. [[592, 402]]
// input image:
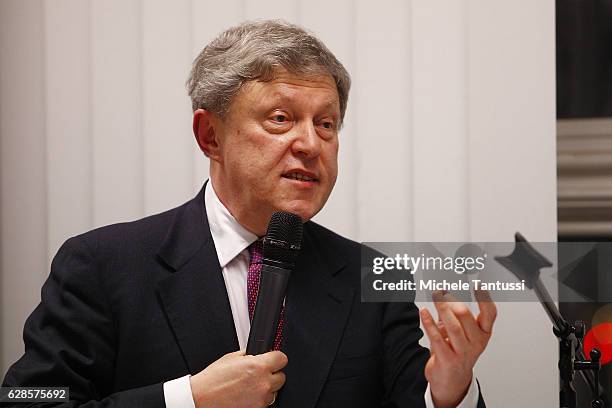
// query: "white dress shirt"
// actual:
[[231, 242]]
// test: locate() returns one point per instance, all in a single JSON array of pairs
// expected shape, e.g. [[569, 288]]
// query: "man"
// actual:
[[155, 313]]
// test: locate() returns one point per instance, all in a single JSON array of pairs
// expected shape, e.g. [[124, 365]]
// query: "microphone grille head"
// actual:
[[283, 238]]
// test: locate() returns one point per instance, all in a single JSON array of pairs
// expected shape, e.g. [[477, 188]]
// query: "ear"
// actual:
[[204, 130]]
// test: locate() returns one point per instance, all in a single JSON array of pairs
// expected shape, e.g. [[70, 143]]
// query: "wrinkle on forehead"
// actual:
[[290, 82], [310, 81], [286, 87], [288, 96]]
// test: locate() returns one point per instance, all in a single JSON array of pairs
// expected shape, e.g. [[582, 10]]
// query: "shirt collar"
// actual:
[[229, 236]]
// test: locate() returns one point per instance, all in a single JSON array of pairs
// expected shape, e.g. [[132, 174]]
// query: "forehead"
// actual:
[[288, 87]]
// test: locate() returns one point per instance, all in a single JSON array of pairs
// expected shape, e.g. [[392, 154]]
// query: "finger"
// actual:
[[274, 360], [272, 399], [442, 329], [465, 316], [488, 311], [437, 342], [277, 380], [443, 332], [454, 329]]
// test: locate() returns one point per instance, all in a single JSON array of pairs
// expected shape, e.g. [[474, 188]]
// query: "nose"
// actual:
[[307, 142]]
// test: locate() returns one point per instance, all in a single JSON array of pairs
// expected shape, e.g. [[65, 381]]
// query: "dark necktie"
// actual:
[[255, 266]]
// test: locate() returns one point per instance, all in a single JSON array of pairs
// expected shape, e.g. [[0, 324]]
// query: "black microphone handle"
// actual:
[[272, 287]]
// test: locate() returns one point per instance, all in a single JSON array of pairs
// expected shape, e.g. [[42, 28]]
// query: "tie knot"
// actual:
[[256, 251]]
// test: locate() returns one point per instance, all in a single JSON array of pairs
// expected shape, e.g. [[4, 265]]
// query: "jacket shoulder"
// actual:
[[147, 232]]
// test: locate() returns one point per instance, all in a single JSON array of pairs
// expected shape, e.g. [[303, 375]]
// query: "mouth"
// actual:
[[302, 176]]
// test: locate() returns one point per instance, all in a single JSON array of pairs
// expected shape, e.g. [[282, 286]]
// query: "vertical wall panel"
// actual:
[[23, 187], [382, 77], [118, 147], [208, 20], [439, 63], [512, 177], [67, 84], [440, 158], [286, 10], [166, 110], [512, 119], [333, 23]]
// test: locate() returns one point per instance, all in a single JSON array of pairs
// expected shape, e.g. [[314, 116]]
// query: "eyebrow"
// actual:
[[279, 98]]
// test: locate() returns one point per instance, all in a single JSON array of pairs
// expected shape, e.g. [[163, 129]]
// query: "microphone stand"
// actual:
[[525, 262]]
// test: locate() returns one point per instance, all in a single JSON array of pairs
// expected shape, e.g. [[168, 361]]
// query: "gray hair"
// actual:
[[253, 50]]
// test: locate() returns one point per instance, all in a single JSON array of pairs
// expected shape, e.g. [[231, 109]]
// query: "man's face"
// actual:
[[278, 148]]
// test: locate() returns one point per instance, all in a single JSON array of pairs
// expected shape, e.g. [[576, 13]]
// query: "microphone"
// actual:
[[281, 246]]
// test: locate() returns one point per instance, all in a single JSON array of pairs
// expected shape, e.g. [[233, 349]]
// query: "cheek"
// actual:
[[246, 152], [335, 174], [331, 161], [264, 151]]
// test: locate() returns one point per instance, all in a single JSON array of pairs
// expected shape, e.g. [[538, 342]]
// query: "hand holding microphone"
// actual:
[[237, 380], [252, 379]]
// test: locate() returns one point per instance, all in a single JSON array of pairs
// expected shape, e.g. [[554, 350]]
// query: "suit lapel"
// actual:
[[194, 296], [317, 308]]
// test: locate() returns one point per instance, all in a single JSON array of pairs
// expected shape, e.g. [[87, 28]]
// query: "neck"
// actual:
[[253, 221]]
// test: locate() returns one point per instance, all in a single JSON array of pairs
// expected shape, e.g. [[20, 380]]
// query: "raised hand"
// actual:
[[457, 340]]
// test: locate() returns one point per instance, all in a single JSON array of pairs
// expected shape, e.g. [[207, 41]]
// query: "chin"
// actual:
[[304, 210]]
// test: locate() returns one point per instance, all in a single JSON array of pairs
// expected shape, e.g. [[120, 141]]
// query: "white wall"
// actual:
[[450, 135]]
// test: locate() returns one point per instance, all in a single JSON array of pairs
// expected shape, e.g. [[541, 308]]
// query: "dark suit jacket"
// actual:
[[130, 306]]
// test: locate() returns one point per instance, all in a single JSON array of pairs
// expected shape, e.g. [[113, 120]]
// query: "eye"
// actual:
[[328, 124], [278, 121], [279, 117]]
